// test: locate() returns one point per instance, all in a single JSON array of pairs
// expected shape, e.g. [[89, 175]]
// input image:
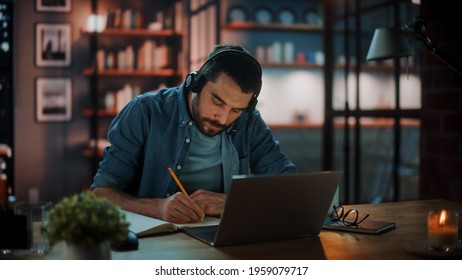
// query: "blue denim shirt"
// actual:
[[154, 131]]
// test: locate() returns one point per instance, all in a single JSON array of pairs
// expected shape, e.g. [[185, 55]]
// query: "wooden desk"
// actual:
[[410, 218]]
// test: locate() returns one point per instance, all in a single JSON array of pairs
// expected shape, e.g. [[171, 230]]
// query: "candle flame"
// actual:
[[442, 220]]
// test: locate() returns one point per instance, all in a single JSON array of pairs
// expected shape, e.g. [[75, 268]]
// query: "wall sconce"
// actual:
[[394, 43], [96, 23]]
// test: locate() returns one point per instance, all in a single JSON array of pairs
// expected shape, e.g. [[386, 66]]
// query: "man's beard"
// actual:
[[203, 122]]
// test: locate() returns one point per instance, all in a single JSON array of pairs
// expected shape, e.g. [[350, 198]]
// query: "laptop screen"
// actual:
[[264, 207]]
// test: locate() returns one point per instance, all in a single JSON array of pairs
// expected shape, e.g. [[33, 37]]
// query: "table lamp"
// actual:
[[388, 43], [394, 43]]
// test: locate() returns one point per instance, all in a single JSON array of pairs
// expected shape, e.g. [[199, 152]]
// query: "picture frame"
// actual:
[[53, 100], [53, 44], [58, 6]]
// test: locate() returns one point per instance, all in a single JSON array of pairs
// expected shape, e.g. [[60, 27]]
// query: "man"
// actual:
[[207, 130]]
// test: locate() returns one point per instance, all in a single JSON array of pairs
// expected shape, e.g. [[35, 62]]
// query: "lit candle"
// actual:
[[442, 229]]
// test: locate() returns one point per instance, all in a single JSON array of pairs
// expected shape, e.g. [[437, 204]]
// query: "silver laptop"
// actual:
[[265, 208]]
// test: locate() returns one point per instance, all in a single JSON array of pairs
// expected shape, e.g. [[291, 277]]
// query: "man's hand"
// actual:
[[177, 208], [212, 202], [180, 209]]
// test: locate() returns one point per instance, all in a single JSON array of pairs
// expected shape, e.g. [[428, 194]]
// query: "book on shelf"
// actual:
[[126, 19], [367, 226], [117, 19], [130, 58], [178, 16], [123, 96], [110, 17], [161, 56], [126, 58], [145, 226], [100, 59], [148, 56]]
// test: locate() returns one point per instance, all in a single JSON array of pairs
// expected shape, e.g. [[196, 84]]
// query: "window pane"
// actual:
[[339, 155], [410, 91], [377, 90], [302, 144], [376, 158], [410, 158], [377, 144]]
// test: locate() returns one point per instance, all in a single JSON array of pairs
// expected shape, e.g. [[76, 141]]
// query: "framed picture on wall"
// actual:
[[53, 44], [59, 6], [53, 100]]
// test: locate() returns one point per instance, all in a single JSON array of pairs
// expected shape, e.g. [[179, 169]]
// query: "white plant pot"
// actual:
[[73, 251]]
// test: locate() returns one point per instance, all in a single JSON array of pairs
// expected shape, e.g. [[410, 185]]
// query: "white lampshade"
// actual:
[[388, 43]]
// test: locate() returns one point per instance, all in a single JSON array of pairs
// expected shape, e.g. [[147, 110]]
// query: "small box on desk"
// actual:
[[14, 233], [20, 230], [36, 213]]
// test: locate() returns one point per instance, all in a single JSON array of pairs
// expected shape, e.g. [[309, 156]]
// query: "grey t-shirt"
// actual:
[[203, 165]]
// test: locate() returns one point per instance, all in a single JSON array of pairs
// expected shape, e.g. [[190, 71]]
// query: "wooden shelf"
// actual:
[[88, 112], [302, 65], [273, 26], [368, 67], [88, 152], [339, 123], [116, 72], [364, 67], [294, 125], [135, 32], [375, 68], [377, 122]]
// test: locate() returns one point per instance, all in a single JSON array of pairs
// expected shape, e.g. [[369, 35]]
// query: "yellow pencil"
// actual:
[[178, 181], [183, 190]]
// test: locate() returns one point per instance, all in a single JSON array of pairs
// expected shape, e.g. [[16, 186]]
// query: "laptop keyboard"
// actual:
[[206, 233]]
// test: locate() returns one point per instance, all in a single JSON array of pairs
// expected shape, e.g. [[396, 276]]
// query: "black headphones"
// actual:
[[195, 81]]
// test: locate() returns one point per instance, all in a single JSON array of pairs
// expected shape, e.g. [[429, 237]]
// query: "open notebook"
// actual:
[[264, 208], [146, 226]]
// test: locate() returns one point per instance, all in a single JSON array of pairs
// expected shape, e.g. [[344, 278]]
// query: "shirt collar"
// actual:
[[183, 111]]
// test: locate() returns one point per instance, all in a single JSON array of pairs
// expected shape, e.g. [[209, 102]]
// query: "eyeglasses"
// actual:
[[339, 215]]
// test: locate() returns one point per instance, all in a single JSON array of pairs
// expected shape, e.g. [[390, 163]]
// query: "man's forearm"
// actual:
[[144, 206]]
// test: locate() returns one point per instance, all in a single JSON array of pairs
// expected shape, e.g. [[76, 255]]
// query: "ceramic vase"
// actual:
[[73, 251]]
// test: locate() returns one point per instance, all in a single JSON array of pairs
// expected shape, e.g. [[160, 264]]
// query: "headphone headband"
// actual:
[[195, 81], [229, 52]]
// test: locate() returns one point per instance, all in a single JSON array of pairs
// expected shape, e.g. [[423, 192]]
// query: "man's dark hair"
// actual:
[[238, 63]]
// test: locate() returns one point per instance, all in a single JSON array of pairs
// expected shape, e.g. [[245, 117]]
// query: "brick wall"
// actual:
[[441, 131]]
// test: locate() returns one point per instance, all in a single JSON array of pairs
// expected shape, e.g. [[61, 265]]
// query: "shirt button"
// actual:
[[178, 167], [190, 123], [188, 140]]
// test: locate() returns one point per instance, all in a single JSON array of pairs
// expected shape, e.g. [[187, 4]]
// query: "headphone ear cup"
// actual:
[[189, 83], [195, 81]]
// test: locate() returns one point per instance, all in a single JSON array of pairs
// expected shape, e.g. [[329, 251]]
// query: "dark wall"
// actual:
[[441, 132], [48, 156]]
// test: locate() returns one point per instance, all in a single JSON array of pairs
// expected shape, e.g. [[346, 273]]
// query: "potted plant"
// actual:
[[85, 223]]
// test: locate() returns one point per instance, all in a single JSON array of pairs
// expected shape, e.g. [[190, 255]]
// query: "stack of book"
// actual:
[[151, 55], [128, 19]]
